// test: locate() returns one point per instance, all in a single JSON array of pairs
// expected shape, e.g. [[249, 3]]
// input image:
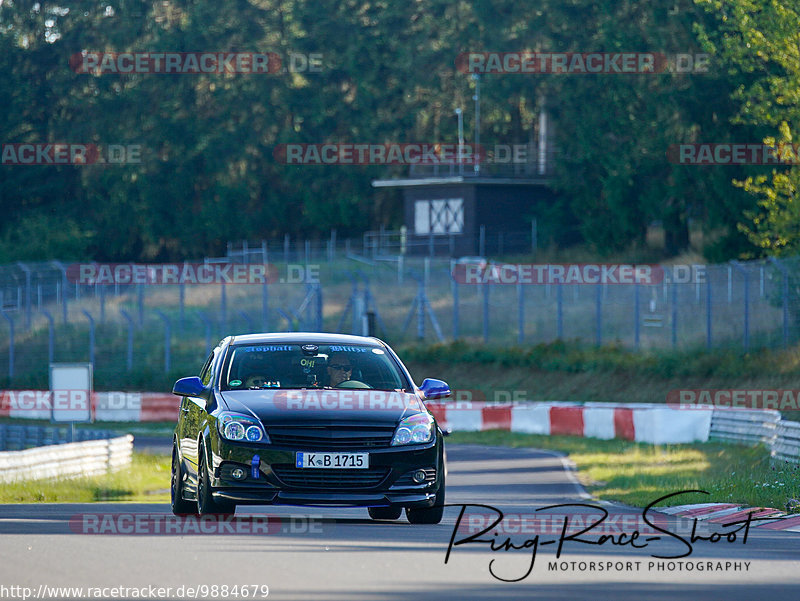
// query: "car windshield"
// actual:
[[260, 366]]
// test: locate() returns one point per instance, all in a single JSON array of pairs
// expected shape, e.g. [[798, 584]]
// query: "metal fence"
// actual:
[[46, 317], [387, 245]]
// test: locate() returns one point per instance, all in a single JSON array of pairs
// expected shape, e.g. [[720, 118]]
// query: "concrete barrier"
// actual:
[[650, 423]]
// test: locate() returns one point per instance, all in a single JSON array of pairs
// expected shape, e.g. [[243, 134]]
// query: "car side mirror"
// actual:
[[192, 386], [434, 389]]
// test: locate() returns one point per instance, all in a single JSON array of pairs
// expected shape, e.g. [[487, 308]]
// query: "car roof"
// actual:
[[304, 338]]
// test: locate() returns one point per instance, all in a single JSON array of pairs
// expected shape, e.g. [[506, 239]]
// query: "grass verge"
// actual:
[[637, 474], [146, 480], [567, 371]]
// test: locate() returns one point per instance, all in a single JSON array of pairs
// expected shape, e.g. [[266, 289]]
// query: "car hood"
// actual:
[[324, 406]]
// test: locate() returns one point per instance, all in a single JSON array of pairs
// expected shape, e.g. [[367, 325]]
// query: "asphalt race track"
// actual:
[[340, 554]]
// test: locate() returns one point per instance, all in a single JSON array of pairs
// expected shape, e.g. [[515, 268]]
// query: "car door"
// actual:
[[192, 417]]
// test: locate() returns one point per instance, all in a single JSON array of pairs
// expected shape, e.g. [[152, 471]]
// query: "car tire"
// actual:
[[206, 505], [384, 513], [428, 515], [180, 506]]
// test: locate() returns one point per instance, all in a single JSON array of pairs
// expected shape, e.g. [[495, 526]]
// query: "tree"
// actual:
[[208, 174], [760, 44]]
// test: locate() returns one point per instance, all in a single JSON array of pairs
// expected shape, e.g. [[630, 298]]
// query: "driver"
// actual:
[[340, 368], [256, 380]]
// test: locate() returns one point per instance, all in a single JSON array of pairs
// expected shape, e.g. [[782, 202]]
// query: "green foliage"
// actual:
[[208, 173], [45, 235], [776, 225], [577, 357], [759, 44]]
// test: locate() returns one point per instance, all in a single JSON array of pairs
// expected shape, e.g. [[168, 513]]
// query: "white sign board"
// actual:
[[71, 392]]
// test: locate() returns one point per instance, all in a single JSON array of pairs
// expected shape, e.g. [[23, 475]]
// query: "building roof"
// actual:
[[457, 180]]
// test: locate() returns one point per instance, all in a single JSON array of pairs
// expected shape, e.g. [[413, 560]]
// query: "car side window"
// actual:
[[205, 373]]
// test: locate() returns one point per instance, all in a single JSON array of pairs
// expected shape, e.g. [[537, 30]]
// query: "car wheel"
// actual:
[[206, 505], [428, 515], [384, 513], [180, 506]]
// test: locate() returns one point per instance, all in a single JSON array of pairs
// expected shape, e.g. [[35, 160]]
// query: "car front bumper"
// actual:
[[263, 497], [271, 477]]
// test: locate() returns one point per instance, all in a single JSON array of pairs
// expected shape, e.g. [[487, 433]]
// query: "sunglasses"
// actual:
[[342, 367]]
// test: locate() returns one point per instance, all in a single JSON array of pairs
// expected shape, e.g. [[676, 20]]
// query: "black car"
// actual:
[[308, 419]]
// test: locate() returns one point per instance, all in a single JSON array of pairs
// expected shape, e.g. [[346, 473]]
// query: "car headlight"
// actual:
[[235, 426], [415, 429]]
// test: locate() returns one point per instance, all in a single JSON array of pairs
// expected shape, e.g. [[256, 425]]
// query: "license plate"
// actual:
[[352, 461]]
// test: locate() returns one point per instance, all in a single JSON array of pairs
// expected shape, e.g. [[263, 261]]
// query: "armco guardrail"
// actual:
[[18, 437], [786, 446], [766, 427], [89, 458], [751, 427]]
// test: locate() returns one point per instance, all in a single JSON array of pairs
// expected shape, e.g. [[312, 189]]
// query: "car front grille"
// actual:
[[318, 438], [306, 478]]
